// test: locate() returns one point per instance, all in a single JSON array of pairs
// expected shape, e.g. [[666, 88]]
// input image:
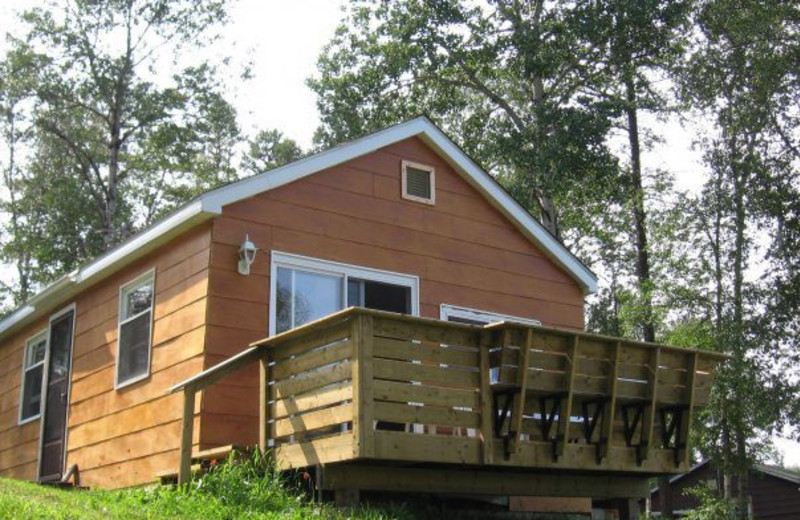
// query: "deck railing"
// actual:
[[370, 385]]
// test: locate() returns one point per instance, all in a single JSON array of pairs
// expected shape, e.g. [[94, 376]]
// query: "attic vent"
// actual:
[[419, 182]]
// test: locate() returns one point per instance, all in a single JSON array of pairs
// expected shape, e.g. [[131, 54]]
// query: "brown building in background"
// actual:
[[774, 491]]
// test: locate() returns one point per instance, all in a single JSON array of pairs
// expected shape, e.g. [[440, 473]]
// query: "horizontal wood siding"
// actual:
[[120, 437], [19, 445], [464, 251]]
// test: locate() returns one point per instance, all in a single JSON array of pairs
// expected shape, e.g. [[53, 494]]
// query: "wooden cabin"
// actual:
[[460, 285], [773, 492]]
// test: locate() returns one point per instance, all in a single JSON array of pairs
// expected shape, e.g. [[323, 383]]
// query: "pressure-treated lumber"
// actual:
[[562, 436], [377, 386], [187, 427], [466, 481]]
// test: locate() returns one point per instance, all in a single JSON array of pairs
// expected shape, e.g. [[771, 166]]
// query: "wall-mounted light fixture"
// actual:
[[247, 254]]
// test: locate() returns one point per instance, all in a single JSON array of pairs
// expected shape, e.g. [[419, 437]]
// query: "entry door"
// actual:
[[54, 426]]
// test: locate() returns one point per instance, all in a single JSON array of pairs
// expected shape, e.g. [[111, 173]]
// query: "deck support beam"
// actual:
[[490, 482]]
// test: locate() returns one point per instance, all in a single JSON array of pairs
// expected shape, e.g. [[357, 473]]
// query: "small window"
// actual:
[[419, 182], [135, 327], [30, 404]]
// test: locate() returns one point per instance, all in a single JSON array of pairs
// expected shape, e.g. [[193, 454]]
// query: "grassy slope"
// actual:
[[235, 491]]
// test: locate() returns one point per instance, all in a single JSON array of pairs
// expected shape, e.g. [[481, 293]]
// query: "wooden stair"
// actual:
[[203, 461]]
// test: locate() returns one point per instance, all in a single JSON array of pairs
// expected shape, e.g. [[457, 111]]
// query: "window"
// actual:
[[419, 182], [476, 317], [135, 327], [30, 404], [307, 289]]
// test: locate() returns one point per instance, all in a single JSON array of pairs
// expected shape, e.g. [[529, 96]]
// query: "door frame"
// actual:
[[46, 383]]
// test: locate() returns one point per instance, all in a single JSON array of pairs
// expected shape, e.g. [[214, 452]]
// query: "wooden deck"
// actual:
[[373, 388]]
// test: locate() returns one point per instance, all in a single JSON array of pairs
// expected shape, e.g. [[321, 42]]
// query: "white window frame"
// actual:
[[430, 169], [26, 369], [147, 276], [447, 310], [331, 268]]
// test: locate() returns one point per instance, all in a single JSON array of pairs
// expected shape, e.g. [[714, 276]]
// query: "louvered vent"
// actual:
[[418, 183]]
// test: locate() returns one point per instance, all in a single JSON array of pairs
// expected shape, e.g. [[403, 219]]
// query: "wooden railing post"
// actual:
[[363, 394], [187, 431], [263, 403], [565, 414], [487, 408], [522, 384], [691, 381], [607, 425], [650, 411]]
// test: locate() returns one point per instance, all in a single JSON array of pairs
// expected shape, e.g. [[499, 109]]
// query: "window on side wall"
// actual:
[[135, 329], [30, 404]]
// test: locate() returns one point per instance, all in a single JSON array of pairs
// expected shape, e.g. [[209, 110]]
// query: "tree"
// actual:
[[742, 74], [96, 96], [633, 42], [16, 88], [501, 76], [269, 149]]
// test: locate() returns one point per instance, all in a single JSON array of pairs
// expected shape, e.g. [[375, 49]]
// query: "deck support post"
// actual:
[[263, 404], [187, 432]]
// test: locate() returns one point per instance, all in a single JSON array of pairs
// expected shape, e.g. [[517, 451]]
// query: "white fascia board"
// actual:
[[508, 205], [145, 241], [16, 317]]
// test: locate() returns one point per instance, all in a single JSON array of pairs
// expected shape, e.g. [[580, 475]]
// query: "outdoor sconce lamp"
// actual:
[[247, 254]]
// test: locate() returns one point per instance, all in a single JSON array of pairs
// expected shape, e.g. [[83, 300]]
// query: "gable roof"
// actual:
[[212, 203], [773, 471]]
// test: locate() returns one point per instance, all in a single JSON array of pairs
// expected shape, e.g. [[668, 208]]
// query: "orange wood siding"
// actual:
[[122, 437], [464, 251], [19, 445]]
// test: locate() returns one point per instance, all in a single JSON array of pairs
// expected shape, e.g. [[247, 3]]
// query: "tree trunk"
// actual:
[[639, 213]]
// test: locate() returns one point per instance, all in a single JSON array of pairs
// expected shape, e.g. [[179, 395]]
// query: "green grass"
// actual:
[[251, 490]]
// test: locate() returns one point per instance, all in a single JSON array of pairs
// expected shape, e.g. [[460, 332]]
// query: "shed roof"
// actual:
[[211, 203]]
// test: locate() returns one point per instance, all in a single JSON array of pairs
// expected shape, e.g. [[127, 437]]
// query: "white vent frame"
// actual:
[[431, 170]]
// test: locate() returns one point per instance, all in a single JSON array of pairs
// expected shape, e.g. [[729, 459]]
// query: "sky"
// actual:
[[282, 40]]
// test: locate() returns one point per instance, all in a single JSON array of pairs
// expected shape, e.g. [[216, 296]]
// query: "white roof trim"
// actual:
[[211, 203]]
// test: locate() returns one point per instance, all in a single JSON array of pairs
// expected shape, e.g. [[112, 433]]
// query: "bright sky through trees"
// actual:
[[282, 39]]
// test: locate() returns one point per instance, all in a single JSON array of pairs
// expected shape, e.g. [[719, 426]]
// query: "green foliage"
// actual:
[[711, 506], [269, 149], [500, 76], [251, 489], [110, 146]]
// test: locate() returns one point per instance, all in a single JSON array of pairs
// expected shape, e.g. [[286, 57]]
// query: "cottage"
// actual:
[[774, 492], [428, 249]]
